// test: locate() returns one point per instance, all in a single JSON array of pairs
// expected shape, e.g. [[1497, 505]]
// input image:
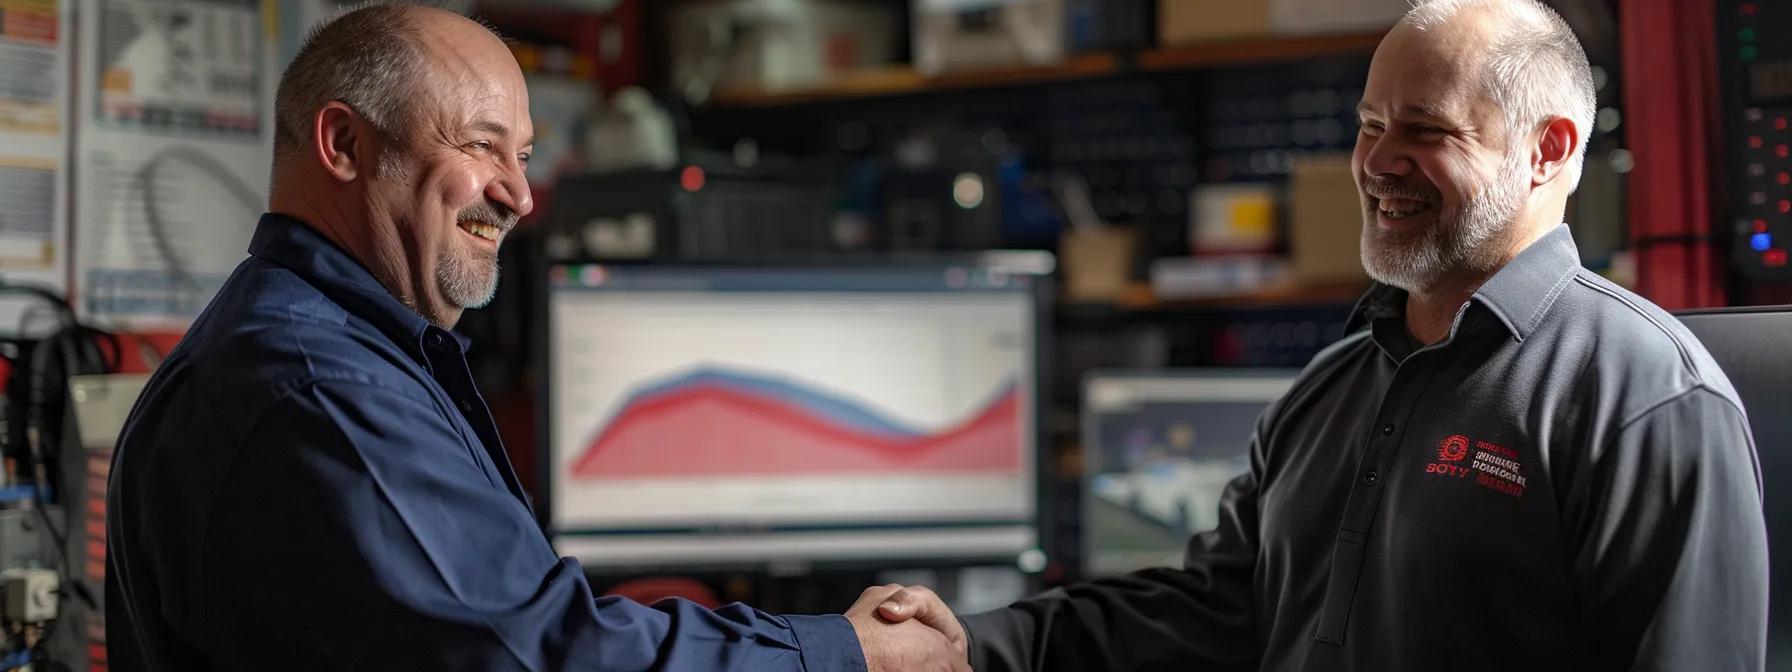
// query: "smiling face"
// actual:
[[442, 199], [1441, 193]]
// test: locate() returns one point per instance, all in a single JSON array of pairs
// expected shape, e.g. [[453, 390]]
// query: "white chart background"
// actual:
[[924, 360]]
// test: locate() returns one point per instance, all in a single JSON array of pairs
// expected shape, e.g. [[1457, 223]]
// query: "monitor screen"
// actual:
[[1158, 449], [721, 415], [1751, 346]]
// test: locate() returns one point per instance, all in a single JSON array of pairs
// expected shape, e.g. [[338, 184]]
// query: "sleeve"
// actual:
[[1197, 617], [359, 531], [1668, 541]]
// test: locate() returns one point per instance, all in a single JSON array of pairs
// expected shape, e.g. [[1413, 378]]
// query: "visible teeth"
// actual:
[[1401, 213], [481, 229]]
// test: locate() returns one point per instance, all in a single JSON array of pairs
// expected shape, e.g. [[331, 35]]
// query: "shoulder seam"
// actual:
[[1649, 409], [1686, 361], [350, 378]]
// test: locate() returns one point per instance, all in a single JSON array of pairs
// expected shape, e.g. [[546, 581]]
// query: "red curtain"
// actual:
[[1671, 103]]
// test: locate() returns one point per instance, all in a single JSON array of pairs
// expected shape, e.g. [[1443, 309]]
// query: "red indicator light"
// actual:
[[1760, 226], [1775, 258], [691, 178]]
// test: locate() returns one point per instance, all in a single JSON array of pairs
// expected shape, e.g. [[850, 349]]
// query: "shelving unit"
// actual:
[[1259, 50], [1137, 303], [905, 80]]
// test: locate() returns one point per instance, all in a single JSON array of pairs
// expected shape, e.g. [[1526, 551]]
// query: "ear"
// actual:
[[1556, 148], [340, 143]]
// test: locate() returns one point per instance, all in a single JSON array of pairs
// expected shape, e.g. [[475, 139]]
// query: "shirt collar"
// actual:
[[1380, 302], [1517, 295], [295, 246], [1521, 292]]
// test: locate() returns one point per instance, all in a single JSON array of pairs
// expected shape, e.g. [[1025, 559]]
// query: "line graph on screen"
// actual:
[[717, 421]]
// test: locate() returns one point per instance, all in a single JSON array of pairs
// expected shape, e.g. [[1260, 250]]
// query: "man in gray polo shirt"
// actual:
[[1511, 464]]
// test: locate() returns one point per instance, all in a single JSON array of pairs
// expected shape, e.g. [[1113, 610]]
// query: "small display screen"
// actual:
[[1770, 82]]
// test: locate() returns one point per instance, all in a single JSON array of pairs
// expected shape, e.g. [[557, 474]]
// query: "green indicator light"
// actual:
[[1747, 34], [1748, 52]]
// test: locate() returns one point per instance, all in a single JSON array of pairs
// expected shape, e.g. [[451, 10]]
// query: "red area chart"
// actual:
[[728, 424]]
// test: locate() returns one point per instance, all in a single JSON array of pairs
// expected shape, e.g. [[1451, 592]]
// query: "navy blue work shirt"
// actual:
[[310, 481]]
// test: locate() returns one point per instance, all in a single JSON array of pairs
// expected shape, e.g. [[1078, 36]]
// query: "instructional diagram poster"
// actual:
[[34, 56], [31, 62], [191, 67], [173, 153]]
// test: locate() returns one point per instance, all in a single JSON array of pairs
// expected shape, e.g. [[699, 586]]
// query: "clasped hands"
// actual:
[[908, 628]]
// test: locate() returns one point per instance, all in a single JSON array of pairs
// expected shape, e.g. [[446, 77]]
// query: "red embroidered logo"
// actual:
[[1453, 449], [1495, 467]]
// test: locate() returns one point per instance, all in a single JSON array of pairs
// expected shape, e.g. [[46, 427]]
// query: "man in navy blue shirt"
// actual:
[[311, 481]]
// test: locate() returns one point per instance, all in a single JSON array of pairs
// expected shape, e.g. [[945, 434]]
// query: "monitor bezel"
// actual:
[[1040, 266]]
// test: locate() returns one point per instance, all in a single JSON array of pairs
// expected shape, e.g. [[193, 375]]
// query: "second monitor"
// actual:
[[1159, 448]]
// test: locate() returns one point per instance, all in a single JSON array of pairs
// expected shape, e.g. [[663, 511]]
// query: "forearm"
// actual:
[[1156, 617]]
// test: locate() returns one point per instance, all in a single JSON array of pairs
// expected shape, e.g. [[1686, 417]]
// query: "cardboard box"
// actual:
[[1097, 262], [1333, 16], [960, 35], [1184, 21], [1232, 218], [776, 45], [1325, 221]]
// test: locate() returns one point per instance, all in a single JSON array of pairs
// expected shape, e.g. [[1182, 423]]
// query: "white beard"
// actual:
[[1464, 238], [468, 283]]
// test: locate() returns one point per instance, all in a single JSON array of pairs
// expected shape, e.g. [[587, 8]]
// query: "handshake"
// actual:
[[908, 628]]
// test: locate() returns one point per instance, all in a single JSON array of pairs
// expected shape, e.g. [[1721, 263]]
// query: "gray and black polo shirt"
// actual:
[[1564, 482]]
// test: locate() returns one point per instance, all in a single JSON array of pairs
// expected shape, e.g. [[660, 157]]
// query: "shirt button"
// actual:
[[466, 406], [1371, 477], [1387, 430], [435, 340]]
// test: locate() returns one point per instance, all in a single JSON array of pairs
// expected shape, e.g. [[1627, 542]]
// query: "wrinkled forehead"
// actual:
[[473, 76], [1435, 72]]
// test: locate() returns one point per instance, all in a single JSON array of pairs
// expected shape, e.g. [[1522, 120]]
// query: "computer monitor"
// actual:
[[730, 415], [1754, 348], [1159, 447]]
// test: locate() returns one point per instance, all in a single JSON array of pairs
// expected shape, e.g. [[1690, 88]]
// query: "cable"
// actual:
[[48, 296], [177, 268], [75, 349]]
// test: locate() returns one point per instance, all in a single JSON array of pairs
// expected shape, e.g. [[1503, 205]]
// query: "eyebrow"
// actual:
[[1420, 109], [498, 129]]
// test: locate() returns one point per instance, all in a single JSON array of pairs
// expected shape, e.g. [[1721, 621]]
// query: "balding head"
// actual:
[[1524, 59], [379, 59], [1474, 124], [403, 135], [371, 59]]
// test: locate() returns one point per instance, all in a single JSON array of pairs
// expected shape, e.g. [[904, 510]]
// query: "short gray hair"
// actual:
[[371, 58], [1535, 67]]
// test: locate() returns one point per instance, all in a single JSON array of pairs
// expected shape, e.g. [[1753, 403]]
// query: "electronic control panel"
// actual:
[[1755, 53]]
